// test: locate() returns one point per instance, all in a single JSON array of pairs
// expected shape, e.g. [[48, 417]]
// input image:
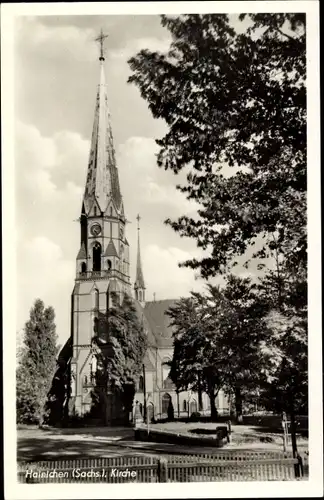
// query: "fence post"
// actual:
[[299, 469], [162, 470], [229, 431]]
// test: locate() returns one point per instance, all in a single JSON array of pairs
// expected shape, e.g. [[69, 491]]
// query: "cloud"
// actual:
[[163, 275], [138, 169], [170, 196], [44, 272], [50, 174], [56, 42], [49, 168], [133, 46]]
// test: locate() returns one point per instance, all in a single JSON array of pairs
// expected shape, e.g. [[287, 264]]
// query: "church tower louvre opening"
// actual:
[[102, 262]]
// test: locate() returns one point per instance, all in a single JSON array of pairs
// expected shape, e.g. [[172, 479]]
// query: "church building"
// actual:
[[102, 268]]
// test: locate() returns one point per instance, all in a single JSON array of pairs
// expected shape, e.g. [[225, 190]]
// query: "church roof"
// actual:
[[155, 313], [102, 179], [65, 353], [152, 341], [111, 250], [82, 252], [148, 363]]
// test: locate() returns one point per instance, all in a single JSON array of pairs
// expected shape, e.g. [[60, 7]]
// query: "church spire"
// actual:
[[102, 182], [139, 286]]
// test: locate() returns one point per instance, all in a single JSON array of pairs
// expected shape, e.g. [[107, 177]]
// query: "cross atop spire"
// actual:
[[100, 39]]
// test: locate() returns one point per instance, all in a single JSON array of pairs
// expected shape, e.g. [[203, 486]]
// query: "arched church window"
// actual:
[[167, 383], [110, 210], [184, 405], [141, 384], [139, 295], [109, 264], [85, 380], [95, 211], [96, 257], [83, 267]]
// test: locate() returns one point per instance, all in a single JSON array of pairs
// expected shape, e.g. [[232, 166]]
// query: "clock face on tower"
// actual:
[[95, 229]]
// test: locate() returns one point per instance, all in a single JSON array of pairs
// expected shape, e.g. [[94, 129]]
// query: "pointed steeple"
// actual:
[[102, 181], [139, 285]]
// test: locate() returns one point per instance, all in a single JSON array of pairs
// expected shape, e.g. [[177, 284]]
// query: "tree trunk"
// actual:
[[213, 409], [293, 426], [293, 433], [238, 405], [200, 403], [178, 404]]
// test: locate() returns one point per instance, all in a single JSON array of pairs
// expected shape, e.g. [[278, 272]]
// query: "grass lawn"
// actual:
[[243, 436]]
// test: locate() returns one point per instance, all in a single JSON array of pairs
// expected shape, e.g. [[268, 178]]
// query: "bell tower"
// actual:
[[102, 263]]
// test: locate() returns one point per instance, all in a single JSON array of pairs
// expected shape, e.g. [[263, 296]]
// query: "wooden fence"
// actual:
[[245, 466]]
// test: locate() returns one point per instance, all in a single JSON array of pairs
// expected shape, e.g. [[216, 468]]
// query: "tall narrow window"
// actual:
[[95, 211], [96, 257], [83, 267], [95, 298], [93, 369]]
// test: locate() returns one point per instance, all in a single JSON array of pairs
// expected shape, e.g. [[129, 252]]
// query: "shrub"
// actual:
[[195, 416]]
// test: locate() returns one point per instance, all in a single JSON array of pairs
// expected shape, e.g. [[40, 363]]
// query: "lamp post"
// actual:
[[144, 392], [178, 403]]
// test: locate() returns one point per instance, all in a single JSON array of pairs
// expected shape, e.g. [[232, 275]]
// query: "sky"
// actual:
[[56, 77]]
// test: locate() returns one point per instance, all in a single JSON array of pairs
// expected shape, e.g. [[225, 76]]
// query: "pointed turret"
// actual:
[[102, 182], [139, 285]]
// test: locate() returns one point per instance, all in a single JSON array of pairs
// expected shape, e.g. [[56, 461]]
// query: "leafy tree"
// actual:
[[235, 99], [286, 388], [58, 396], [217, 340], [287, 372], [243, 320], [37, 364], [121, 344], [235, 105], [198, 357]]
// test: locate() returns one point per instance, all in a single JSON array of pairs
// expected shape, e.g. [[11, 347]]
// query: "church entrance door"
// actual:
[[165, 402]]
